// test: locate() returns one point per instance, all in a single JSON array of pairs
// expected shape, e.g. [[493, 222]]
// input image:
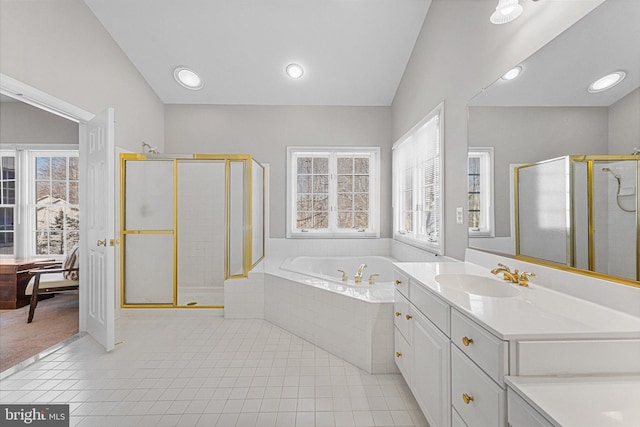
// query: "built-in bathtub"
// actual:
[[307, 297], [326, 272]]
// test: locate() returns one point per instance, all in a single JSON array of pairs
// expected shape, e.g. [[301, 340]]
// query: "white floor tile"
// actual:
[[175, 370]]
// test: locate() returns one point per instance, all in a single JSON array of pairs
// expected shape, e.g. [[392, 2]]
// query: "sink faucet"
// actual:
[[358, 277], [521, 278]]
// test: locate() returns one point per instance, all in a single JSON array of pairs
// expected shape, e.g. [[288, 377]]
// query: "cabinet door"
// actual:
[[431, 385], [403, 356]]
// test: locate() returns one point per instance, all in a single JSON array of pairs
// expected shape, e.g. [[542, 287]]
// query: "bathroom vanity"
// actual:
[[463, 337]]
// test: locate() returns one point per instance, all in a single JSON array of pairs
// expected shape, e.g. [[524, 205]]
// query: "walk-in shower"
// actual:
[[188, 223], [581, 211]]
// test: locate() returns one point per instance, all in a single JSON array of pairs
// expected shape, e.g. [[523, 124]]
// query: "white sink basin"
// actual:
[[477, 285]]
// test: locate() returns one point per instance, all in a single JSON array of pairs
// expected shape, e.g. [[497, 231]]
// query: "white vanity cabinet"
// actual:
[[464, 349], [521, 414], [454, 367], [423, 350]]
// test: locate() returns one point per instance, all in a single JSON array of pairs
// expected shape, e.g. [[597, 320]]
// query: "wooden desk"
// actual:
[[12, 283]]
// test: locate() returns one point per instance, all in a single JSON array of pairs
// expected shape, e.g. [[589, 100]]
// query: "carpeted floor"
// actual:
[[55, 320]]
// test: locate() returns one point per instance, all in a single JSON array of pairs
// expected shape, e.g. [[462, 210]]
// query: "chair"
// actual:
[[52, 278]]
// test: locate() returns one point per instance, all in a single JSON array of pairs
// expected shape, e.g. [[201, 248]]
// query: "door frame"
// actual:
[[30, 95]]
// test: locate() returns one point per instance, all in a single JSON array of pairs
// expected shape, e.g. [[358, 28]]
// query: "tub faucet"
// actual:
[[358, 276], [344, 275], [372, 279]]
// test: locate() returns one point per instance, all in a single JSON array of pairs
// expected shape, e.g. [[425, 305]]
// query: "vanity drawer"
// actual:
[[431, 306], [478, 400], [402, 356], [485, 349], [401, 281], [456, 421], [521, 414], [400, 313], [606, 357]]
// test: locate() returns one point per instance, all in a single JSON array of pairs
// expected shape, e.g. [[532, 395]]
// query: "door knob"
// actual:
[[102, 243], [408, 317], [467, 341], [467, 398]]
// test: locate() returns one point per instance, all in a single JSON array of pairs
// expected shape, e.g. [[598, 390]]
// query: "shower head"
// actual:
[[615, 175]]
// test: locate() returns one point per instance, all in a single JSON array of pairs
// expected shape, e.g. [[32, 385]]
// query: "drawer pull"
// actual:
[[398, 282], [398, 354], [467, 342], [408, 317], [467, 399], [398, 314]]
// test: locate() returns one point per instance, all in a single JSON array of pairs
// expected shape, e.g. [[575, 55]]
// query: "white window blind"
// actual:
[[417, 163]]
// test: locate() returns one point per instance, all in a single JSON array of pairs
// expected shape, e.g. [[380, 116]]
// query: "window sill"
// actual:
[[317, 235]]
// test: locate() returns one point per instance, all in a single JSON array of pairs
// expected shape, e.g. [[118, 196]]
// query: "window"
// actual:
[[7, 203], [54, 207], [40, 206], [417, 177], [333, 192], [481, 223]]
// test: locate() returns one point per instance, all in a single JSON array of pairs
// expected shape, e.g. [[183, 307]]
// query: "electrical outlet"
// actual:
[[459, 216]]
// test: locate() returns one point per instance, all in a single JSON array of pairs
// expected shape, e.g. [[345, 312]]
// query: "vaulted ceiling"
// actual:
[[354, 52]]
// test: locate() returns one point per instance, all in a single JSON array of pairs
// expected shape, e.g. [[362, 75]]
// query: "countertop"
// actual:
[[582, 401], [536, 313]]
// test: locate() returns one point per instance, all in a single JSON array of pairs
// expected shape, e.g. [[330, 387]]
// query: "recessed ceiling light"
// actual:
[[506, 11], [606, 82], [188, 78], [512, 73], [294, 71]]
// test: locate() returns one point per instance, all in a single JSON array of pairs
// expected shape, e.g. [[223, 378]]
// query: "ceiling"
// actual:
[[354, 52], [605, 40]]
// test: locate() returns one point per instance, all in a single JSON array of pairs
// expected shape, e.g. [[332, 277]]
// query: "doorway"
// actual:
[[96, 153]]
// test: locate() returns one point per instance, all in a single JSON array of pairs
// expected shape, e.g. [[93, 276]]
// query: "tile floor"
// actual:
[[200, 370]]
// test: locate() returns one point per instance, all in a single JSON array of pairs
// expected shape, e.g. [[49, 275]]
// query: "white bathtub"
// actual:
[[306, 296], [328, 268], [322, 272]]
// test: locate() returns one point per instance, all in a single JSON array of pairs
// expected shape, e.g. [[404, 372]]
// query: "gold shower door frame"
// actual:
[[589, 160], [247, 266]]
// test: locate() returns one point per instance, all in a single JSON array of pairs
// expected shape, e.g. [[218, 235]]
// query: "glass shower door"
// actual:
[[149, 233]]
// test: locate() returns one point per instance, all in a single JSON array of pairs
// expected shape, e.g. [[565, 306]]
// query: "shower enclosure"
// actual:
[[581, 211], [188, 223]]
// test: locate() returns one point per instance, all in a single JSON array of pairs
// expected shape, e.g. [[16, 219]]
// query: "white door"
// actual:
[[97, 311]]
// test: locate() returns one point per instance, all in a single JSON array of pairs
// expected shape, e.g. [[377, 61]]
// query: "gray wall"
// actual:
[[23, 124], [532, 134], [458, 52], [265, 132], [624, 124], [61, 48]]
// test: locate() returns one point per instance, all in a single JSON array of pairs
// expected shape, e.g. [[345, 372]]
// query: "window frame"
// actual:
[[487, 216], [15, 205], [24, 219], [414, 237], [333, 153], [32, 205]]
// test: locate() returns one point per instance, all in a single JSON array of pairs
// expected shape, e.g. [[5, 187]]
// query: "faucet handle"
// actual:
[[372, 279], [523, 278], [344, 275]]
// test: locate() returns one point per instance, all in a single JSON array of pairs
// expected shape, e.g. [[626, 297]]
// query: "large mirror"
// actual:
[[547, 113]]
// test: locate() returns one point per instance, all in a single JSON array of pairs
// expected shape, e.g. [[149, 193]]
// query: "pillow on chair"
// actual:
[[72, 260]]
